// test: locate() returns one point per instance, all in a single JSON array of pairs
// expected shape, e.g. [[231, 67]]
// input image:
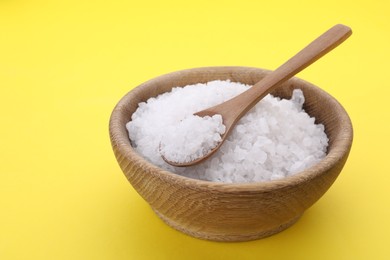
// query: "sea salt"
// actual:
[[192, 138], [275, 139]]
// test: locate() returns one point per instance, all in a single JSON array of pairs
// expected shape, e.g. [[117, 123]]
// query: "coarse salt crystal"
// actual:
[[275, 139]]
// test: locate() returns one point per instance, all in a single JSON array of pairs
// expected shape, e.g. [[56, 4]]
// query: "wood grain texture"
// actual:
[[231, 212]]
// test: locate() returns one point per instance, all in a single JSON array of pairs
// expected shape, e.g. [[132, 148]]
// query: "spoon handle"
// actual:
[[312, 52]]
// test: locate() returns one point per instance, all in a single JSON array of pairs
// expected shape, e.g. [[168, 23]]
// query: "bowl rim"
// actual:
[[121, 142]]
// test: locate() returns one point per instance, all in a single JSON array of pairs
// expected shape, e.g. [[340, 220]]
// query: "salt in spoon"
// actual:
[[233, 109]]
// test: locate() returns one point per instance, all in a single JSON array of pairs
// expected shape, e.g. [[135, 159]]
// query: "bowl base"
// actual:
[[226, 237]]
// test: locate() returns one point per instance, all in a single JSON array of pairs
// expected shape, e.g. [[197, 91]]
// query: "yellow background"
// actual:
[[65, 64]]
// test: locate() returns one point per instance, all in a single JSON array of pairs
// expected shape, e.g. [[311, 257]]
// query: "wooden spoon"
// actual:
[[233, 109]]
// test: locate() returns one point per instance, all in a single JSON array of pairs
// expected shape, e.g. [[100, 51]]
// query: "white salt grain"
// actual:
[[275, 139]]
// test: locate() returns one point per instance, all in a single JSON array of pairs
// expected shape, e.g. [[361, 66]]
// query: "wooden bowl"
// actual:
[[231, 212]]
